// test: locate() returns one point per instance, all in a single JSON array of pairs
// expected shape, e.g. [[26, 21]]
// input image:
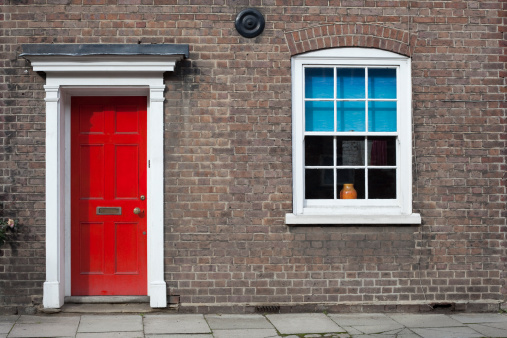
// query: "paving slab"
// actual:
[[91, 323], [377, 329], [478, 318], [404, 333], [374, 336], [247, 321], [352, 330], [29, 319], [401, 334], [425, 320], [489, 331], [6, 323], [6, 327], [447, 332], [367, 323], [180, 336], [297, 323], [37, 326], [189, 324], [250, 333], [44, 336], [110, 335], [362, 319], [8, 318], [497, 325], [327, 335]]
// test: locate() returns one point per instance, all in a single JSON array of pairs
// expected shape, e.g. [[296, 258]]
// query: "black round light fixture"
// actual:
[[250, 23]]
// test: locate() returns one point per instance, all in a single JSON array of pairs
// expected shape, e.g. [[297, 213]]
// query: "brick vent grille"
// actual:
[[267, 309]]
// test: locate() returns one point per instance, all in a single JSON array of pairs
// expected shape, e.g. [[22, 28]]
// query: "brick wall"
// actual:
[[228, 176]]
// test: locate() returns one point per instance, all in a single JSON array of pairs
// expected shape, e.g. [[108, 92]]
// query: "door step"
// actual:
[[138, 308], [107, 304], [106, 299]]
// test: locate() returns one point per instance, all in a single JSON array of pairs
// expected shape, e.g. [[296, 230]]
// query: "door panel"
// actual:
[[125, 172], [91, 119], [91, 248], [127, 119], [92, 184], [108, 169], [126, 247]]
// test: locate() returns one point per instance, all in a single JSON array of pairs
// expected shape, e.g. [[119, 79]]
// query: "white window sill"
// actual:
[[292, 219]]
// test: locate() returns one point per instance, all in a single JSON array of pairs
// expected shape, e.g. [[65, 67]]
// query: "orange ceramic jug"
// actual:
[[348, 192]]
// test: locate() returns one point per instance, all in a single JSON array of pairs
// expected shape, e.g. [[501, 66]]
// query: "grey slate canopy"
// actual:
[[103, 49]]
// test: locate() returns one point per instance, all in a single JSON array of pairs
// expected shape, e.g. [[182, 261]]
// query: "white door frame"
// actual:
[[104, 76]]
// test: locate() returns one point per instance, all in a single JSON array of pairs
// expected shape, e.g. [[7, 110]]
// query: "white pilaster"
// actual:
[[54, 285], [157, 289]]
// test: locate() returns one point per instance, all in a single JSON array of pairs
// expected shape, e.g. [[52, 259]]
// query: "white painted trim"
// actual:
[[155, 204], [395, 211], [55, 185], [61, 85], [292, 219], [104, 63]]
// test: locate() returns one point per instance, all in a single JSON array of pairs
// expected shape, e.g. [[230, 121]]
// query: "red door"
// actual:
[[108, 168]]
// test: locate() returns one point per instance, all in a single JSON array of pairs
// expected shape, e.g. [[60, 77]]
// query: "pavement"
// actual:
[[294, 325]]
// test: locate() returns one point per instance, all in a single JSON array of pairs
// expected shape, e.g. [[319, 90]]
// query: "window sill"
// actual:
[[291, 219]]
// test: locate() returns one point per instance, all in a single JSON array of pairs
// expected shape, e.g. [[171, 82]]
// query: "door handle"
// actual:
[[137, 211]]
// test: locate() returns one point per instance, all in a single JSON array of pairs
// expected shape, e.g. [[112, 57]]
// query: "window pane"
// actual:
[[350, 115], [319, 184], [381, 83], [319, 116], [351, 176], [319, 83], [350, 83], [382, 183], [382, 116], [318, 150], [382, 151], [350, 151]]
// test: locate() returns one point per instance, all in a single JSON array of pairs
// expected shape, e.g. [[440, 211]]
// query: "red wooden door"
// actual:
[[108, 169]]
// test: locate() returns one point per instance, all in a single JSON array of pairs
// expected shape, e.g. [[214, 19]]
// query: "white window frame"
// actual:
[[393, 211]]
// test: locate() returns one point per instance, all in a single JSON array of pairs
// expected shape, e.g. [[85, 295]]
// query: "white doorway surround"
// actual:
[[100, 70]]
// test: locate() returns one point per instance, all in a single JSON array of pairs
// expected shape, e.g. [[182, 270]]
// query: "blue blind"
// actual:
[[319, 83], [350, 115], [350, 83], [319, 116], [382, 116], [381, 83]]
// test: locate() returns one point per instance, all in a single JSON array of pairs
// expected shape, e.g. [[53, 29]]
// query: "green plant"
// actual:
[[8, 230]]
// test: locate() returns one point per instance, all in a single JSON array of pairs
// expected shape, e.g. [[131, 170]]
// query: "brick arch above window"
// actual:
[[351, 35]]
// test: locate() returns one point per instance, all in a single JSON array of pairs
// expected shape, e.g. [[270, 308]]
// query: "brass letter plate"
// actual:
[[108, 210]]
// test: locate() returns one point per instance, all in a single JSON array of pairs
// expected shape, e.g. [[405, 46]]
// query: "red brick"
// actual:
[[228, 152]]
